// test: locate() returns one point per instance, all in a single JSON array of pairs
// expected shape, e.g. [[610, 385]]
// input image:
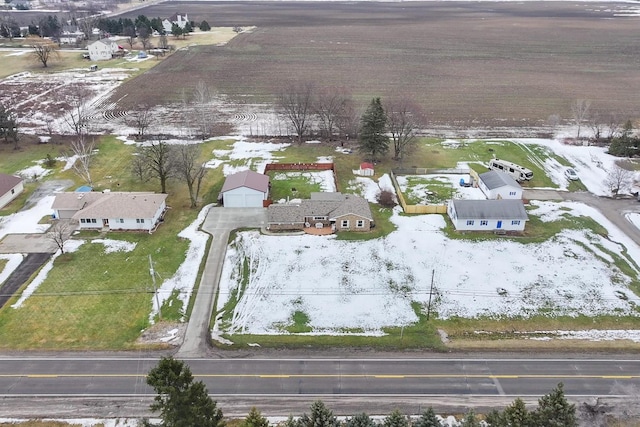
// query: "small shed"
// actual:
[[488, 215], [246, 189], [499, 185], [10, 187], [366, 169]]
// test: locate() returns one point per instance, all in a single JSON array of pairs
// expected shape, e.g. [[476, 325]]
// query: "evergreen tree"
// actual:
[[396, 419], [372, 138], [495, 419], [470, 420], [204, 26], [554, 410], [360, 420], [517, 415], [255, 419], [188, 28], [181, 401], [320, 416], [428, 419], [176, 30], [291, 422]]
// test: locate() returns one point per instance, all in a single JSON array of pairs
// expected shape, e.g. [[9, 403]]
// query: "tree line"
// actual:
[[182, 402], [381, 127]]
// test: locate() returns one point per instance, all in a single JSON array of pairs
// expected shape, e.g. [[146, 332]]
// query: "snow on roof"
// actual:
[[496, 179], [249, 179], [7, 182], [490, 209]]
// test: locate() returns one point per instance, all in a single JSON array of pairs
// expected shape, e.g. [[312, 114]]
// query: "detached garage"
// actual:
[[246, 189]]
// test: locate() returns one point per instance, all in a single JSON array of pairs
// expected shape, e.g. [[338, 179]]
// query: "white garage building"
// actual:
[[246, 189]]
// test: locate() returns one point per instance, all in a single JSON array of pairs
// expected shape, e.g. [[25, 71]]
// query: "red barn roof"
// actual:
[[365, 165]]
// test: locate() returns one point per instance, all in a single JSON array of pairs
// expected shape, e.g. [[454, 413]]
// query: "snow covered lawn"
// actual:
[[366, 286]]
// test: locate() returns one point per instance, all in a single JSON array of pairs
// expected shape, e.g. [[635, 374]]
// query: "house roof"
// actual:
[[7, 182], [106, 42], [110, 205], [331, 205], [496, 179], [365, 165], [490, 209], [250, 179]]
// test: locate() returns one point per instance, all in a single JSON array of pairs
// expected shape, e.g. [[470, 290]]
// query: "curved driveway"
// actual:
[[219, 223]]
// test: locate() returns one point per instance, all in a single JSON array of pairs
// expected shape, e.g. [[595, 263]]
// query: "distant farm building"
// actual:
[[179, 19], [10, 187], [246, 189], [103, 50], [488, 215]]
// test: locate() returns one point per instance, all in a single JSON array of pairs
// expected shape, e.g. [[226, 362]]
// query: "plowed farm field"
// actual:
[[469, 64]]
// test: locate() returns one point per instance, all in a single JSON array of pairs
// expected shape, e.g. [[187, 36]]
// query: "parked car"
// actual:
[[571, 174]]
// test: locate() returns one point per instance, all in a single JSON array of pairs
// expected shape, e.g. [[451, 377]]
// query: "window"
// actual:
[[484, 222], [344, 223], [93, 221], [512, 193], [470, 222], [83, 221], [13, 190], [120, 220], [515, 222], [139, 220], [318, 218], [360, 223]]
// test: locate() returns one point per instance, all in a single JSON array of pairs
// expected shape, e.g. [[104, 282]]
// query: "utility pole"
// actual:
[[430, 293], [155, 289]]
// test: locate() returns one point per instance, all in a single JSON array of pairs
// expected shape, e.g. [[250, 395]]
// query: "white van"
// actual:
[[517, 172]]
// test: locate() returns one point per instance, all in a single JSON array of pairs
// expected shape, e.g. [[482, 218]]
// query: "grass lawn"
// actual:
[[439, 191]]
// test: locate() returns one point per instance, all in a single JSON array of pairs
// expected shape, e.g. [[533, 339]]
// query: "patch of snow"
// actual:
[[111, 245], [69, 246], [172, 335], [369, 189], [324, 178], [26, 221], [590, 335], [184, 278], [34, 172], [325, 159], [13, 261]]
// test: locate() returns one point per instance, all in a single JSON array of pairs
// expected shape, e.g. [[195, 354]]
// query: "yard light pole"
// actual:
[[155, 289], [430, 295]]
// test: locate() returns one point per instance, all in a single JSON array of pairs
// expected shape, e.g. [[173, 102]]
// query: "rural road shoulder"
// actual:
[[219, 223]]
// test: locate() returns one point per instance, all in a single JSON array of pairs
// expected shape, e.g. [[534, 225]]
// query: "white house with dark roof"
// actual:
[[10, 187], [102, 49], [177, 18], [488, 215], [246, 189], [499, 185], [111, 210], [340, 212]]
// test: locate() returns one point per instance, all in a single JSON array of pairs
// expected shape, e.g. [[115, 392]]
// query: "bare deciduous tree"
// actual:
[[82, 151], [189, 169], [614, 126], [144, 35], [59, 233], [139, 167], [330, 105], [158, 159], [295, 102], [580, 112], [44, 51], [163, 42], [141, 119], [618, 179], [78, 121], [201, 109], [403, 117], [130, 33], [349, 122]]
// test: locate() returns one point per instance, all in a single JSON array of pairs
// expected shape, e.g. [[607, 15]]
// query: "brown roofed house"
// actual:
[[10, 187]]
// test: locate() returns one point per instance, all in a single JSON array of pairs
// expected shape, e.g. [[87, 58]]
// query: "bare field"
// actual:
[[468, 64]]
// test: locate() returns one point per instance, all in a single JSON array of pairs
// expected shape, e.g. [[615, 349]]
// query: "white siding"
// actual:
[[505, 192], [491, 225], [145, 224], [6, 198], [99, 51], [243, 197]]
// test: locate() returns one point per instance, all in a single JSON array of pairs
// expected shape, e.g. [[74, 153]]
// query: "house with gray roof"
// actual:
[[488, 215], [246, 189], [328, 211], [499, 185], [136, 211], [10, 187]]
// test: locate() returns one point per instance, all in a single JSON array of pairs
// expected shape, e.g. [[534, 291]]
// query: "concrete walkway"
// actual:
[[219, 223]]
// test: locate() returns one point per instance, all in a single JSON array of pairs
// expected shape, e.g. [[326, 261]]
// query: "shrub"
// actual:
[[386, 198]]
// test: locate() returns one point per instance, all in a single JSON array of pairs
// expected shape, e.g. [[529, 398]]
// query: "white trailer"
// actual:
[[517, 172]]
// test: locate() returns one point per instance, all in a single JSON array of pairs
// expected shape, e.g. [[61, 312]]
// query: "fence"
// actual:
[[303, 167], [414, 209]]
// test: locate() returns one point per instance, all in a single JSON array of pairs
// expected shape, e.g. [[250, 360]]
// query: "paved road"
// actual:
[[613, 209], [219, 223], [239, 382]]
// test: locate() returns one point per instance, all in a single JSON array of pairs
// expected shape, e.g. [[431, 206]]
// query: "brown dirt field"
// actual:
[[469, 64]]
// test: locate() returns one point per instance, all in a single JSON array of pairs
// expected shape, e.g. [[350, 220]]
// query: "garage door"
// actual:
[[243, 200]]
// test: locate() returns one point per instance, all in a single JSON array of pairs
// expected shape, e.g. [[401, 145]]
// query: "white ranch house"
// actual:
[[246, 189], [102, 50], [499, 185], [488, 215], [10, 187], [111, 210]]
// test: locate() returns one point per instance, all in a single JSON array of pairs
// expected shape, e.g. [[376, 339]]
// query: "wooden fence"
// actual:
[[414, 209]]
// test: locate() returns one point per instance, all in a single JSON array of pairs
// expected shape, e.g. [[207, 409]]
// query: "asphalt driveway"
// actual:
[[219, 223]]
